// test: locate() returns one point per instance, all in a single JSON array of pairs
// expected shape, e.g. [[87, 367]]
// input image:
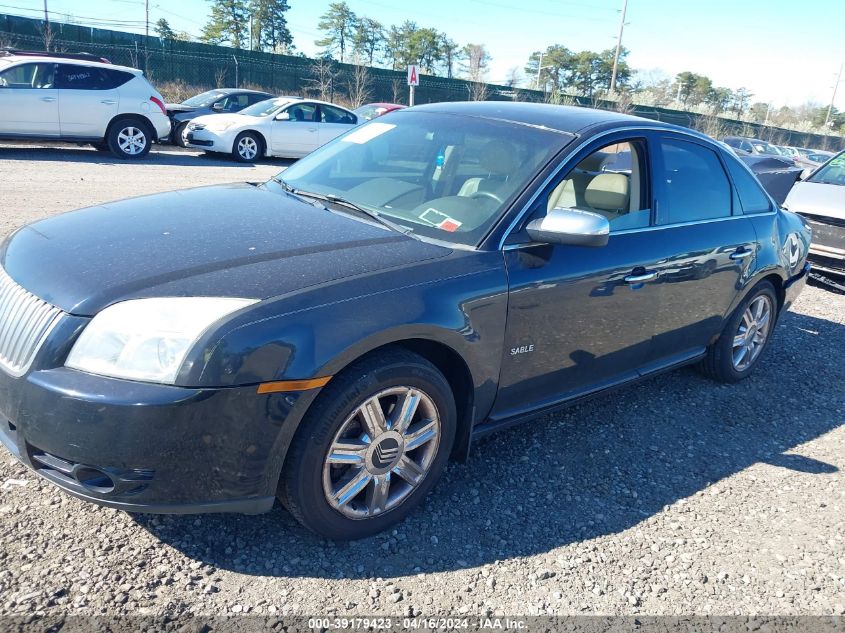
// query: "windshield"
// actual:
[[203, 100], [264, 108], [444, 176], [832, 173]]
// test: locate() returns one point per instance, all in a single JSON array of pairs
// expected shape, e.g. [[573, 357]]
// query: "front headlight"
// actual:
[[147, 339]]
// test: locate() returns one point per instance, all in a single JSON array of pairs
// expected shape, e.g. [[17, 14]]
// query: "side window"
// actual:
[[117, 78], [75, 77], [235, 103], [302, 112], [750, 192], [611, 181], [29, 76], [695, 186], [336, 115]]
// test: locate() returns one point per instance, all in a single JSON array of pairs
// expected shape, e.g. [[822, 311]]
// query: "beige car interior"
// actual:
[[589, 187], [500, 161]]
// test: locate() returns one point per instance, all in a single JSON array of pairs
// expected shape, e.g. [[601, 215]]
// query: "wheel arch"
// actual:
[[263, 139], [134, 116]]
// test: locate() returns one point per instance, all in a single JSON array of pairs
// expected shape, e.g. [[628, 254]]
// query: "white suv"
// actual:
[[79, 98]]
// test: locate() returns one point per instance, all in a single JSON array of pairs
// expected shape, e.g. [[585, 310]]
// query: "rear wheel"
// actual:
[[745, 336], [371, 448], [129, 138], [247, 148]]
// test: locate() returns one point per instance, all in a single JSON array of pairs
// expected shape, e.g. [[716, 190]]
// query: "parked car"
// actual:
[[820, 198], [334, 335], [220, 100], [819, 156], [753, 146], [79, 98], [286, 126], [375, 110]]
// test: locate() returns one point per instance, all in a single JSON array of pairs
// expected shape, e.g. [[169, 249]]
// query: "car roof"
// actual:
[[65, 60], [228, 91], [570, 119]]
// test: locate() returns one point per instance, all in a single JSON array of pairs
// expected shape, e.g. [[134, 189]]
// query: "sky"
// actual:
[[785, 52]]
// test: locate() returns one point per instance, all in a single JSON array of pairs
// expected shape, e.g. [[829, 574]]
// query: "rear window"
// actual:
[[750, 192], [77, 77]]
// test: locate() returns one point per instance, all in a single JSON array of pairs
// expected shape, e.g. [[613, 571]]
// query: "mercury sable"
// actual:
[[333, 336]]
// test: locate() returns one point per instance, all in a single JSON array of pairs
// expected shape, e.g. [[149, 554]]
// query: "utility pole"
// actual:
[[833, 97], [146, 37], [47, 37], [618, 48], [539, 68]]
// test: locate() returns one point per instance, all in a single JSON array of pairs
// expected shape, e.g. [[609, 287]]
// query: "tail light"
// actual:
[[158, 102]]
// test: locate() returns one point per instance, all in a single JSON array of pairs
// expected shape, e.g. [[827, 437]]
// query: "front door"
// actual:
[[87, 101], [299, 134], [580, 318], [29, 100]]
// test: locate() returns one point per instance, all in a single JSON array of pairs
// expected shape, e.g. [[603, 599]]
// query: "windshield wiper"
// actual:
[[341, 201]]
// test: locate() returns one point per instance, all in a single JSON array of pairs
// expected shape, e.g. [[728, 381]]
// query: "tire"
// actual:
[[247, 148], [129, 138], [178, 134], [724, 361], [309, 480]]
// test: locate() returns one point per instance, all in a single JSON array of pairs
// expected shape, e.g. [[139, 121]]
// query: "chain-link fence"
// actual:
[[193, 66]]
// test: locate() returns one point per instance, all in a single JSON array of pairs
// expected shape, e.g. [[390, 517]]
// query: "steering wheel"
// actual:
[[487, 194]]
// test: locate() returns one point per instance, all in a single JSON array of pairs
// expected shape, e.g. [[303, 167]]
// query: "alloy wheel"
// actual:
[[752, 333], [247, 148], [381, 453], [131, 140]]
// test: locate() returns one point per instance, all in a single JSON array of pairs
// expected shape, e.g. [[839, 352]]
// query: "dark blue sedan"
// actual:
[[332, 337], [217, 101]]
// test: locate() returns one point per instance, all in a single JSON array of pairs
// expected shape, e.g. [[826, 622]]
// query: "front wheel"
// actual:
[[371, 448], [746, 335], [247, 147]]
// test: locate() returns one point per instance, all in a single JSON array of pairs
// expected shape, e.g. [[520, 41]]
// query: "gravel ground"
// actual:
[[675, 496]]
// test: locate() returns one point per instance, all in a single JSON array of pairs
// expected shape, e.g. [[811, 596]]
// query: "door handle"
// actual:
[[48, 99], [639, 279], [108, 101], [740, 254]]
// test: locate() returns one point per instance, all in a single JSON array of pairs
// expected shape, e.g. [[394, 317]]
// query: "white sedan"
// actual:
[[287, 126]]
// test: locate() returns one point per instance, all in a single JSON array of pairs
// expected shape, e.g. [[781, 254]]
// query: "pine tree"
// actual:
[[164, 31], [269, 25], [228, 23], [338, 23]]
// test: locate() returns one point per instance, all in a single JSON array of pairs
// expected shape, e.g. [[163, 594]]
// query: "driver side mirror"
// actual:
[[217, 107], [283, 116], [570, 226]]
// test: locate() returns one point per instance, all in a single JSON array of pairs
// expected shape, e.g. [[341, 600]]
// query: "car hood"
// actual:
[[817, 198], [179, 107], [236, 240], [213, 120]]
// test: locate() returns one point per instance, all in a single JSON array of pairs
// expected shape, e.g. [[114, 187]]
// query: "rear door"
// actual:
[[334, 122], [705, 246], [29, 100], [299, 134], [88, 100]]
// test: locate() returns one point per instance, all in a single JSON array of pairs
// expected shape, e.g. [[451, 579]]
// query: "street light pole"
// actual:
[[618, 48], [833, 97]]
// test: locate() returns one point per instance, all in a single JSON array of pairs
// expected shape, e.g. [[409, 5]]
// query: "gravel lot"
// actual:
[[676, 496]]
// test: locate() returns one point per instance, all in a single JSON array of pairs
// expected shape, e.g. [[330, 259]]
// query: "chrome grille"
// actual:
[[25, 321]]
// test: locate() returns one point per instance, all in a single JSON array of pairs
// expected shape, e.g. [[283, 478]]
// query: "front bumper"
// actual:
[[149, 448], [203, 139]]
